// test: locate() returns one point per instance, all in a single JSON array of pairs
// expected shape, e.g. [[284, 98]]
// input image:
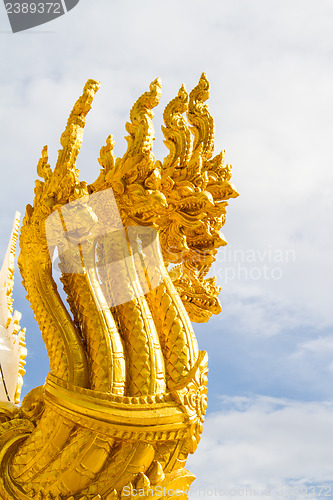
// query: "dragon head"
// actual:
[[135, 178], [184, 197], [197, 187]]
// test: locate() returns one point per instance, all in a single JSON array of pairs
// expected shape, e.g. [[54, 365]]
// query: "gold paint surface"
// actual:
[[125, 399]]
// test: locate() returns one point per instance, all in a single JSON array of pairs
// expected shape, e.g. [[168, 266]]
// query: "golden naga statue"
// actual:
[[125, 399]]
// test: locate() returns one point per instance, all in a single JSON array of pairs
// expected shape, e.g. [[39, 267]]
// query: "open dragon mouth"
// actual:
[[199, 296], [200, 307], [223, 191], [191, 208], [206, 243], [203, 302], [197, 313], [144, 218]]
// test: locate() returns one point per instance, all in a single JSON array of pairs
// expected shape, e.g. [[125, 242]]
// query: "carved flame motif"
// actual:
[[125, 399]]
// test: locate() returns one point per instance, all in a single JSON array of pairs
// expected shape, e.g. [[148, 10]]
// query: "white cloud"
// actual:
[[263, 442], [321, 345]]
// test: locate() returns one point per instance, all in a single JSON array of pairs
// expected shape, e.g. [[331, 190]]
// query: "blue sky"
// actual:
[[270, 67]]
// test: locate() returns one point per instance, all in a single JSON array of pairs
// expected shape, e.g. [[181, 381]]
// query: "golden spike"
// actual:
[[155, 473], [141, 129], [63, 185], [71, 138], [142, 482], [202, 122], [108, 171], [43, 167], [7, 273], [107, 158], [176, 132], [12, 338]]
